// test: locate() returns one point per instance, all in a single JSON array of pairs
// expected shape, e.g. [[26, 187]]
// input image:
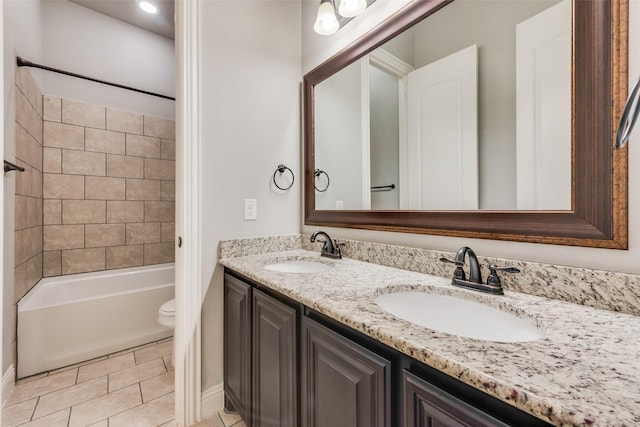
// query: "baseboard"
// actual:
[[8, 381], [212, 401]]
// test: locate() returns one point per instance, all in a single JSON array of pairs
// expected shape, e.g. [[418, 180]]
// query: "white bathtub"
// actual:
[[69, 319]]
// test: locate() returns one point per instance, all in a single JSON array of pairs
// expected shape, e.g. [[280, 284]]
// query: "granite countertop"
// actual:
[[585, 372]]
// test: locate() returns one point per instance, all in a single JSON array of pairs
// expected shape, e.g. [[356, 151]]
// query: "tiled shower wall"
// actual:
[[108, 188], [28, 194]]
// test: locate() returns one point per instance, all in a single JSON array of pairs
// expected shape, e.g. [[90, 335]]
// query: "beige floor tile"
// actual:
[[132, 349], [70, 396], [42, 386], [152, 414], [229, 419], [168, 363], [240, 424], [103, 423], [19, 413], [77, 365], [31, 378], [173, 423], [105, 367], [105, 406], [215, 421], [157, 386], [57, 419], [154, 352], [136, 374], [119, 353]]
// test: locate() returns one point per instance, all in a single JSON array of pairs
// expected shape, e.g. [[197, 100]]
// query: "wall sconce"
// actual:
[[351, 8], [327, 22]]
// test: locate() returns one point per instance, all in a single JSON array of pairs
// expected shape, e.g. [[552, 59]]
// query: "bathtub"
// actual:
[[69, 319]]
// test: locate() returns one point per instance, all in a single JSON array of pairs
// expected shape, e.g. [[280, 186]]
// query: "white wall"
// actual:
[[251, 76], [22, 36], [80, 40], [316, 50]]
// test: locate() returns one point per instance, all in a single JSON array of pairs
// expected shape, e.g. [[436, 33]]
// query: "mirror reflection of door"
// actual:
[[443, 133], [543, 94], [439, 167]]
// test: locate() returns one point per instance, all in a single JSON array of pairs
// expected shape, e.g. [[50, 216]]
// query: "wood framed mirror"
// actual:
[[598, 179]]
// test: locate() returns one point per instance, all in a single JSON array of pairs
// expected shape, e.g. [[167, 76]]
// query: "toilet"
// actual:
[[167, 314], [167, 317]]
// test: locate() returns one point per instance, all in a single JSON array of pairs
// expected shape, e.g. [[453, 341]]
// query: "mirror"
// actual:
[[462, 111], [542, 171]]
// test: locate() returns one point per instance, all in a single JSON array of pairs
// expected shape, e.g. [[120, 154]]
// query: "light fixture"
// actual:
[[326, 21], [148, 7], [351, 8]]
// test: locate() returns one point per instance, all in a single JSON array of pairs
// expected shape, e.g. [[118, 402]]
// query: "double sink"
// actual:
[[459, 314]]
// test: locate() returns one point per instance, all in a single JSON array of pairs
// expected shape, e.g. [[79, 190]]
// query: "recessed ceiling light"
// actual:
[[148, 7]]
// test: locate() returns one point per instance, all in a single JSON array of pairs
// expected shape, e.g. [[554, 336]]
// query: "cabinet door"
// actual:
[[343, 384], [425, 405], [275, 390], [237, 346]]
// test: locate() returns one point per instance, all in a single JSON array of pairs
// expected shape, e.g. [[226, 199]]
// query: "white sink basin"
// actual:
[[298, 266], [458, 316]]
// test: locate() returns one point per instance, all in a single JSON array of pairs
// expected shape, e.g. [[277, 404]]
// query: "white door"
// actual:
[[543, 91], [442, 152]]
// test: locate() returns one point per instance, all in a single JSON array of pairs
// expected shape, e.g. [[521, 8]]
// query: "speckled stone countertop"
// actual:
[[585, 372]]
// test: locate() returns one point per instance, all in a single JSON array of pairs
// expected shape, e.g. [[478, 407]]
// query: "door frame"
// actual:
[[2, 266], [365, 110], [187, 337]]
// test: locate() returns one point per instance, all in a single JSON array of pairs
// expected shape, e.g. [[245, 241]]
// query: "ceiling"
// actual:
[[128, 11]]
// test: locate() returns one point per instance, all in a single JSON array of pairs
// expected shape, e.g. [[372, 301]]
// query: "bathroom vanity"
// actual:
[[346, 378], [314, 349]]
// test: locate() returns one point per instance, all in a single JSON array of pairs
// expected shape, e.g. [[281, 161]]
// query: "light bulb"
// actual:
[[148, 7], [351, 8], [326, 21]]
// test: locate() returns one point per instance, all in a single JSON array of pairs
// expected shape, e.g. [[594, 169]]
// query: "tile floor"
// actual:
[[129, 388]]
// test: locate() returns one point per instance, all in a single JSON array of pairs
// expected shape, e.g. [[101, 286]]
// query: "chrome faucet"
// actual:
[[493, 285], [330, 248]]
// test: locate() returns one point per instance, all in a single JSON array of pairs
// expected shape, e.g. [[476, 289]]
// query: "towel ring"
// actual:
[[317, 174], [282, 169]]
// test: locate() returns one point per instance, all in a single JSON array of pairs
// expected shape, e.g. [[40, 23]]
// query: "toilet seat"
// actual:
[[167, 314], [168, 308]]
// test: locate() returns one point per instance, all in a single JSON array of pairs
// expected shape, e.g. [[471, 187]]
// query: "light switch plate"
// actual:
[[250, 209]]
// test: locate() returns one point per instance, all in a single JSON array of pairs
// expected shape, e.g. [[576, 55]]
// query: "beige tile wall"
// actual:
[[28, 192], [108, 188]]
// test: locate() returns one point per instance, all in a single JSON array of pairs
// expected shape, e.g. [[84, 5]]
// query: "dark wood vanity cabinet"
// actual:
[[343, 384], [237, 346], [286, 365], [426, 405], [260, 356], [274, 386]]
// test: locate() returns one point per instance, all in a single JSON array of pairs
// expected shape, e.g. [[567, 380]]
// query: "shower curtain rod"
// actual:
[[24, 63]]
